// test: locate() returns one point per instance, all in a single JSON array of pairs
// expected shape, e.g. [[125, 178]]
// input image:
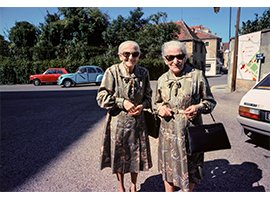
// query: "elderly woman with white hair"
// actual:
[[182, 95], [125, 90]]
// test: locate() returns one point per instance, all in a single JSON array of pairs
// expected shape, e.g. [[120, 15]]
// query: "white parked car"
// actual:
[[254, 109]]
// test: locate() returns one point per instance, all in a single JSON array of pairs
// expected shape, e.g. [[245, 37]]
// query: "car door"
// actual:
[[82, 75], [92, 74], [50, 76]]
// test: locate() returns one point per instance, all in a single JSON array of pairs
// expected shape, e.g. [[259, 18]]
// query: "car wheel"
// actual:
[[36, 82], [67, 83]]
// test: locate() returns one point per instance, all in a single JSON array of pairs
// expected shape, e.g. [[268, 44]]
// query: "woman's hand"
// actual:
[[137, 111], [191, 112], [165, 111], [132, 109]]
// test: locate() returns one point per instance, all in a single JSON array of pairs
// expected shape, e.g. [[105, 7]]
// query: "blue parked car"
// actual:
[[84, 74]]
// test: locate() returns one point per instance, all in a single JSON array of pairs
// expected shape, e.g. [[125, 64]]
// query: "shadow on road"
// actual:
[[37, 126], [219, 176]]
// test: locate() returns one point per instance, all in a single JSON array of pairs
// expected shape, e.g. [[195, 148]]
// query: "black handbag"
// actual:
[[208, 137], [152, 122]]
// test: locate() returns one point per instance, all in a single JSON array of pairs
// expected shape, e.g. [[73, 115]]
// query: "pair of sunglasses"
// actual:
[[127, 54], [179, 57]]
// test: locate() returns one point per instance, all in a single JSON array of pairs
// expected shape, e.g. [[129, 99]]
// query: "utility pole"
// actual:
[[230, 23], [235, 52]]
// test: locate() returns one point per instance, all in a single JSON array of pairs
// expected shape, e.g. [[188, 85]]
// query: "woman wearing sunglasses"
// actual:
[[125, 90], [182, 95]]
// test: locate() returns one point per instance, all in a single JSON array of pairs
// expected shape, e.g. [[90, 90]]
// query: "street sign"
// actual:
[[259, 56]]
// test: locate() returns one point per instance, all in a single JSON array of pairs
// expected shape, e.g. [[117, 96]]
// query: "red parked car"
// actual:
[[49, 76]]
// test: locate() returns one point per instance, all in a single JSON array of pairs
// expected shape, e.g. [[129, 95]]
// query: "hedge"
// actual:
[[17, 71]]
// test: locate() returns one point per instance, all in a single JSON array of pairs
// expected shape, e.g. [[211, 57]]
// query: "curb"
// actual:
[[219, 88]]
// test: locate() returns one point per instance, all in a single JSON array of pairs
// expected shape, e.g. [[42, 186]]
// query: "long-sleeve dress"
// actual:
[[125, 145], [191, 88]]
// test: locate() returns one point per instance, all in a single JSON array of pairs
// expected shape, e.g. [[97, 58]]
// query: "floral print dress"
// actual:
[[191, 88], [125, 146]]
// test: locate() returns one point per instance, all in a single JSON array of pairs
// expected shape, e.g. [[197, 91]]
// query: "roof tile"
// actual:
[[186, 32]]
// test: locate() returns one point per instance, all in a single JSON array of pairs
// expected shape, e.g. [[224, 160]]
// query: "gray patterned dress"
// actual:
[[125, 145], [191, 88]]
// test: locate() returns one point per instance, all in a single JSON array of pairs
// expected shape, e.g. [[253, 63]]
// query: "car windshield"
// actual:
[[264, 84]]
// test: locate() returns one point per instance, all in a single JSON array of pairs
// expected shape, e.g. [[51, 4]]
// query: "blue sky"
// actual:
[[218, 23]]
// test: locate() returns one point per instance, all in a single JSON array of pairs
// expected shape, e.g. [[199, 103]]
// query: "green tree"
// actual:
[[4, 51], [260, 23], [79, 27], [50, 32], [23, 34], [98, 23], [148, 32], [123, 29], [69, 30], [156, 33]]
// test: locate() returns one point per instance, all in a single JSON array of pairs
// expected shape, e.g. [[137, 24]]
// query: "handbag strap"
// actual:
[[152, 110], [212, 117]]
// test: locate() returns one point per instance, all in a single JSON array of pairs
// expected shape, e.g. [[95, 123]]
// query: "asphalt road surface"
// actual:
[[51, 139]]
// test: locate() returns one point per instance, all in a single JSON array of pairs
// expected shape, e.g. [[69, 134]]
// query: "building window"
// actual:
[[206, 43], [207, 67]]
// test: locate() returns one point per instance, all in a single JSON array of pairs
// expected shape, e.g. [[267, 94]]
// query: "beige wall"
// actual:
[[197, 58], [189, 47], [211, 48]]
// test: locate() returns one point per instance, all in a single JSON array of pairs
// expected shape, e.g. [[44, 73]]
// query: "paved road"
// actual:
[[51, 138]]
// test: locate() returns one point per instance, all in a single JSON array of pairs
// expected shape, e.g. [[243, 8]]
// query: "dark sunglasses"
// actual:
[[179, 57], [127, 54]]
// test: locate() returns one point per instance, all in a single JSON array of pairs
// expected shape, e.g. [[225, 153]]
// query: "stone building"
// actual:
[[214, 55], [195, 46]]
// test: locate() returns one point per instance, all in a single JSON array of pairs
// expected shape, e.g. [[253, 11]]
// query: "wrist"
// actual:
[[120, 103]]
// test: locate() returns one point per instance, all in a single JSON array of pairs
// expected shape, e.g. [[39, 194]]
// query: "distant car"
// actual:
[[84, 74], [51, 75], [254, 109]]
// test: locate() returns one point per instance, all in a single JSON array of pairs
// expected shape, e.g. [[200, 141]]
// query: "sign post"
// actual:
[[260, 58]]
